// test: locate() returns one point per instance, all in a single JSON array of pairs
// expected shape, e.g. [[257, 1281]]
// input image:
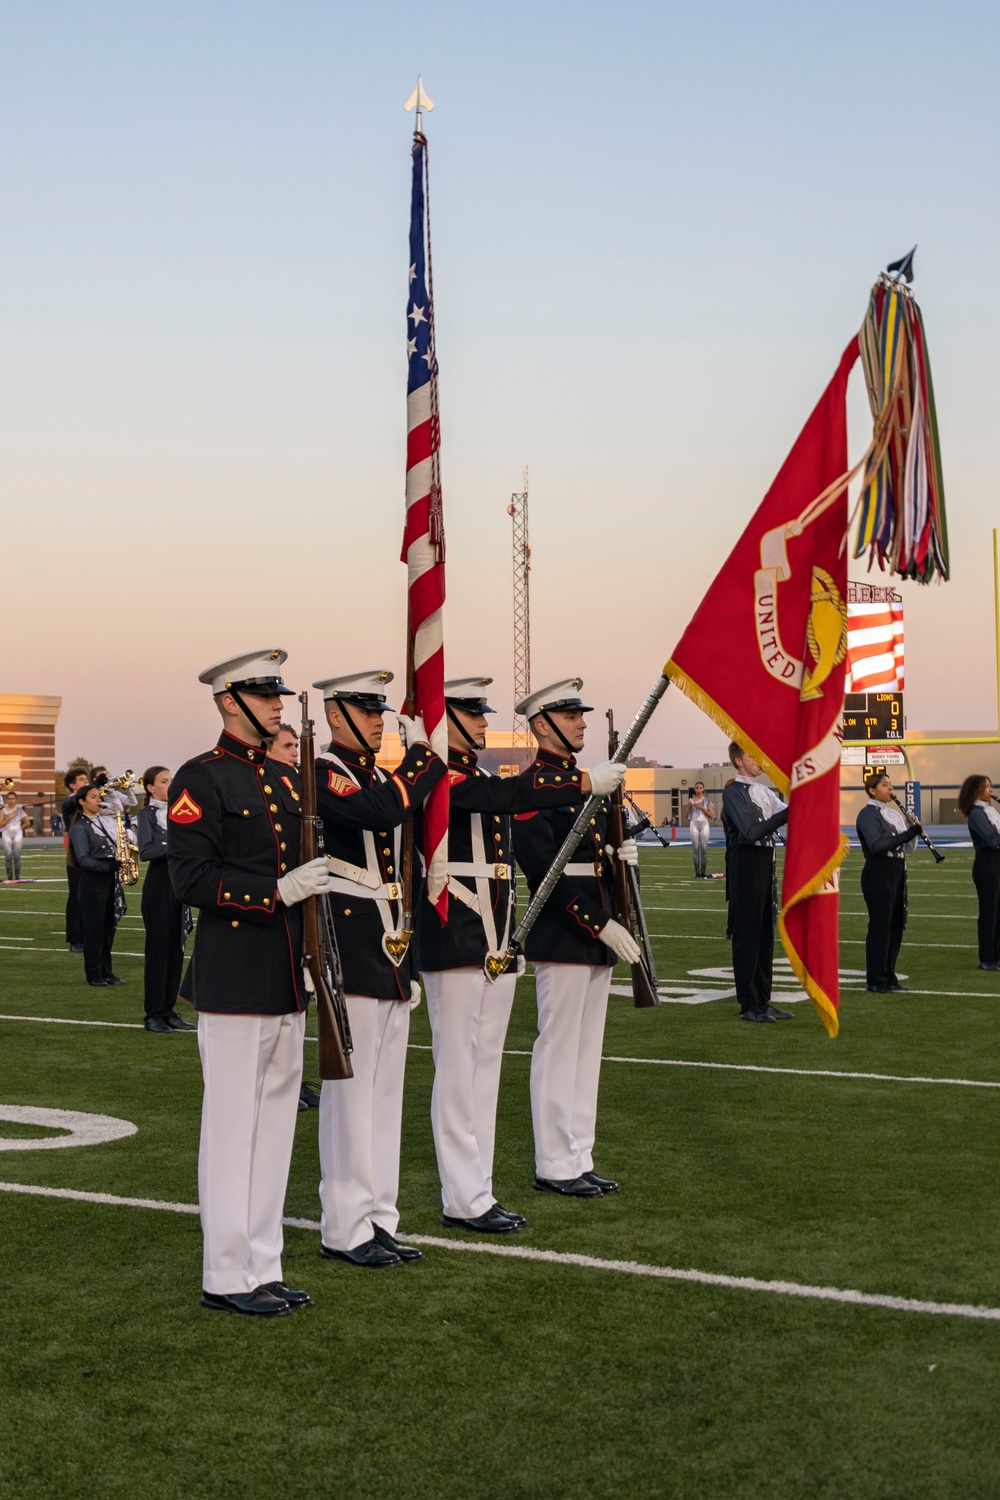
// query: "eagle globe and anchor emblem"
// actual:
[[826, 626]]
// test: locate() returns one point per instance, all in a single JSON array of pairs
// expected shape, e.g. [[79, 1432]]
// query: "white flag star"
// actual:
[[413, 273], [419, 315], [411, 348]]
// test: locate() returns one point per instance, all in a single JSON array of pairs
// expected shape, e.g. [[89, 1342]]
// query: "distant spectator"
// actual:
[[162, 913], [975, 800], [700, 814], [13, 821]]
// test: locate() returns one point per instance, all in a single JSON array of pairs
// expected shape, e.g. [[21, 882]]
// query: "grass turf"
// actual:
[[471, 1374]]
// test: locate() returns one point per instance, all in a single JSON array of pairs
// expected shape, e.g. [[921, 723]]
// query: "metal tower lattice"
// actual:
[[518, 512]]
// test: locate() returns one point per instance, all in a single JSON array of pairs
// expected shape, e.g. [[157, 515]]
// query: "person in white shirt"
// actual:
[[13, 821], [701, 811]]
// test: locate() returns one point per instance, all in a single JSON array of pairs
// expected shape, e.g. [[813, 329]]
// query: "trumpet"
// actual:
[[124, 783]]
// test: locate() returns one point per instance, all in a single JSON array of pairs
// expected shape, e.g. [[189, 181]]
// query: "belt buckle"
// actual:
[[501, 872], [393, 890], [598, 869]]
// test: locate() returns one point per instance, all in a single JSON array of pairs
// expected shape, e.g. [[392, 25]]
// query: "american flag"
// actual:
[[875, 658], [423, 537]]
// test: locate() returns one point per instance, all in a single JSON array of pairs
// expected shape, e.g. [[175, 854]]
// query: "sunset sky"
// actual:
[[655, 229]]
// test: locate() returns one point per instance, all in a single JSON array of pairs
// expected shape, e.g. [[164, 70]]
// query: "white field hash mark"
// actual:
[[845, 1295]]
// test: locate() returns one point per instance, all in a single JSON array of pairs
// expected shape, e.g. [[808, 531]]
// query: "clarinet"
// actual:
[[938, 856]]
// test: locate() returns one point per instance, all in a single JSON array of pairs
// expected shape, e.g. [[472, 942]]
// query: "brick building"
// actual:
[[28, 751]]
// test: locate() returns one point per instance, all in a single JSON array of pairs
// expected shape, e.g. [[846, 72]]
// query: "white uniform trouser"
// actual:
[[12, 840], [252, 1067], [566, 1065], [700, 829], [360, 1122], [469, 1018]]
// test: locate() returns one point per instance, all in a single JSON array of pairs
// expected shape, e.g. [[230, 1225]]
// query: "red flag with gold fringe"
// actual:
[[765, 657]]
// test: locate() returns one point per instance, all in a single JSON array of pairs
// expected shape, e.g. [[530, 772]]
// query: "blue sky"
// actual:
[[655, 229]]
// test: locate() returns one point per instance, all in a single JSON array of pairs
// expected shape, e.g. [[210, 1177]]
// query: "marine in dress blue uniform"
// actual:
[[360, 1119], [574, 946], [233, 848], [468, 1014]]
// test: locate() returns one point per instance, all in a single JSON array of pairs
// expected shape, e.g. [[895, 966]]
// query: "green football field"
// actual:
[[797, 1293]]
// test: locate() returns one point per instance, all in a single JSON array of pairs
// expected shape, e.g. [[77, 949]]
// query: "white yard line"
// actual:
[[844, 1295]]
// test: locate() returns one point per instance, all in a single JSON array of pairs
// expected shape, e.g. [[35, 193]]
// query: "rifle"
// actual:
[[320, 954], [642, 822], [496, 964], [630, 913]]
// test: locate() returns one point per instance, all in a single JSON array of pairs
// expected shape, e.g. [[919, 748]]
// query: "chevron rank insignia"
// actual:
[[185, 809], [341, 786], [454, 777]]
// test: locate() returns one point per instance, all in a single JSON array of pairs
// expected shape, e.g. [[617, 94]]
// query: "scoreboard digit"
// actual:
[[873, 716]]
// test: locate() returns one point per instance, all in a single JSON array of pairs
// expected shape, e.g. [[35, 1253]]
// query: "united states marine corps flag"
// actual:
[[765, 655]]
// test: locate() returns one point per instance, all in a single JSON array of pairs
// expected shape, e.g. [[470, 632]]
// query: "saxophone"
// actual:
[[128, 860]]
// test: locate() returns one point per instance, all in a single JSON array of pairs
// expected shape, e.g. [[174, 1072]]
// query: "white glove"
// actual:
[[412, 731], [313, 879], [607, 776], [621, 942], [628, 853], [414, 993]]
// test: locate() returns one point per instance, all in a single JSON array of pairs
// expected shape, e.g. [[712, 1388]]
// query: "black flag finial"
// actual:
[[903, 268]]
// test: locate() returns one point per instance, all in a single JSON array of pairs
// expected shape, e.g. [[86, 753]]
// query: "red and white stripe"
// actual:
[[875, 658], [423, 551]]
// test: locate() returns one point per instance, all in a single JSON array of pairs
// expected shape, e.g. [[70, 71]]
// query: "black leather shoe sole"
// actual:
[[575, 1187], [366, 1257], [250, 1304]]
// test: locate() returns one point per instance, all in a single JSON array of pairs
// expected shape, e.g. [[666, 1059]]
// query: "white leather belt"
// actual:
[[584, 872], [473, 870], [390, 891]]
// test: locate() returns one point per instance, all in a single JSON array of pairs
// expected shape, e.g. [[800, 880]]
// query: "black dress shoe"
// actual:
[[509, 1213], [755, 1015], [991, 967], [371, 1255], [779, 1015], [76, 947], [567, 1187], [99, 984], [406, 1253], [491, 1222], [308, 1097], [157, 1023], [177, 1023], [260, 1303], [899, 989], [294, 1299], [113, 979], [878, 989], [603, 1184]]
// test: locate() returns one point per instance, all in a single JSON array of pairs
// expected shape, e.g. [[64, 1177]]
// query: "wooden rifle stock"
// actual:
[[320, 954], [630, 913]]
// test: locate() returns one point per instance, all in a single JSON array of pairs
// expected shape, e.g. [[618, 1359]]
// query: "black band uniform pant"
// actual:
[[986, 878], [883, 885], [163, 917], [74, 929], [751, 918], [97, 915]]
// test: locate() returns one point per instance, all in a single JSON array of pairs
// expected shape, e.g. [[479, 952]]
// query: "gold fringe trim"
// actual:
[[708, 706], [820, 999]]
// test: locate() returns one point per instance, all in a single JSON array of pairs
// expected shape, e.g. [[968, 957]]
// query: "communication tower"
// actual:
[[518, 512]]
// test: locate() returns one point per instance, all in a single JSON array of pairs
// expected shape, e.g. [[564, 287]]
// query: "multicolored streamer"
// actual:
[[902, 520]]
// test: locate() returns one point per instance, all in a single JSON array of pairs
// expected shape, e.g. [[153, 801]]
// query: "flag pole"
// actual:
[[495, 965]]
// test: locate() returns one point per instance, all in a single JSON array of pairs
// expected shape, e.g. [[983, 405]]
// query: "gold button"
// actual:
[[383, 834], [388, 869], [420, 762], [246, 812], [347, 911], [565, 762], [576, 906], [236, 924], [246, 898], [362, 761], [283, 846], [277, 827], [283, 867], [465, 760], [410, 775], [559, 778], [386, 851], [267, 900], [592, 822], [274, 806], [500, 852], [496, 817], [267, 788], [251, 754], [225, 895], [260, 773]]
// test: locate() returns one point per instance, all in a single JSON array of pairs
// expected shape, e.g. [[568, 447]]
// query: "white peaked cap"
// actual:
[[367, 688], [564, 695], [256, 672], [469, 692]]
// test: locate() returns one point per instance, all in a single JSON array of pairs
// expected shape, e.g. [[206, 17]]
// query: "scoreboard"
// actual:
[[873, 716]]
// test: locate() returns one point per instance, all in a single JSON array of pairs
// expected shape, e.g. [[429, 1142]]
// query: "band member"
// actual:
[[700, 814], [975, 800], [468, 1014], [232, 848], [114, 799], [73, 780], [13, 821], [885, 839], [162, 913], [752, 815], [96, 856], [360, 1120], [574, 946]]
